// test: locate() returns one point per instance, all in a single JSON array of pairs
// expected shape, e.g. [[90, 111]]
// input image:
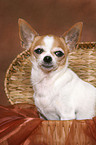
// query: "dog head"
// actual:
[[49, 52]]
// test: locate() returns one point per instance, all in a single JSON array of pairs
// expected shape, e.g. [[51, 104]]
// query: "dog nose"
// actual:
[[47, 59]]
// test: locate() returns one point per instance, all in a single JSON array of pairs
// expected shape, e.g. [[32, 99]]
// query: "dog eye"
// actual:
[[59, 53], [39, 50]]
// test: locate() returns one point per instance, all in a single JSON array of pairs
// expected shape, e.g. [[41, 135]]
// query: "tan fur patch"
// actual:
[[59, 42]]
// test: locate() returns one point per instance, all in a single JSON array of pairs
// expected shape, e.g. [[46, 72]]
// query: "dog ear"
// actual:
[[26, 33], [72, 36]]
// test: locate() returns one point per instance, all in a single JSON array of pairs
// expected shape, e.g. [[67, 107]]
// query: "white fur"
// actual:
[[61, 94], [48, 41]]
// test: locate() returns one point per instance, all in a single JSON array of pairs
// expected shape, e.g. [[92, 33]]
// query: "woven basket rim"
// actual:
[[28, 52], [7, 72]]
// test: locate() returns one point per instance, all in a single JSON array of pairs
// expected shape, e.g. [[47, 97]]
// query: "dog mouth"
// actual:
[[47, 66]]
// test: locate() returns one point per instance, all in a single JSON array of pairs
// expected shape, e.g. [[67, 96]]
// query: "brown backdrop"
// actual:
[[46, 16]]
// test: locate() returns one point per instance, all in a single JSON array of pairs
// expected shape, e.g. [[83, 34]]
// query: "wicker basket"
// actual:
[[18, 89]]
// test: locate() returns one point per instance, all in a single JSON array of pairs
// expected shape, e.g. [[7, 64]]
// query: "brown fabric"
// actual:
[[20, 125], [90, 129], [17, 123]]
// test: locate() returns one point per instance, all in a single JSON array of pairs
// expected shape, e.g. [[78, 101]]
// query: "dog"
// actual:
[[59, 93]]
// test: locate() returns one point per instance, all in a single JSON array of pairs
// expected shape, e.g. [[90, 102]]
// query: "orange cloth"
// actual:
[[17, 123], [20, 125]]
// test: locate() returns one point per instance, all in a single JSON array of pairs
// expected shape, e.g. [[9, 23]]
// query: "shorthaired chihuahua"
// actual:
[[59, 93]]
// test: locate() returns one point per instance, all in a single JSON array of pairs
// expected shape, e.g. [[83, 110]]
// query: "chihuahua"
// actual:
[[59, 93]]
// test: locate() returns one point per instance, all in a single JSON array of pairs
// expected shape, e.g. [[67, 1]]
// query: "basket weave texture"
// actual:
[[17, 81], [19, 90]]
